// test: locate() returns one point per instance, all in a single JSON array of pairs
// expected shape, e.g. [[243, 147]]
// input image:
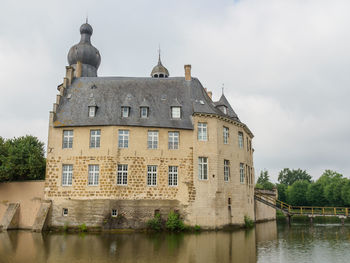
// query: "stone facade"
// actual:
[[211, 202], [202, 202]]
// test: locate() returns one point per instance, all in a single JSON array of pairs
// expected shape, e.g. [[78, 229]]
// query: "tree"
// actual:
[[315, 195], [296, 193], [282, 192], [332, 183], [22, 158], [345, 193], [263, 181], [289, 177]]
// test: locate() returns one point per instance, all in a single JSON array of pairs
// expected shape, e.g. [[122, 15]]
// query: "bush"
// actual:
[[197, 228], [155, 223], [174, 223], [248, 222], [83, 228]]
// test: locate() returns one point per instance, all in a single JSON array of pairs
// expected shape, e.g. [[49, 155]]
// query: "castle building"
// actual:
[[121, 149]]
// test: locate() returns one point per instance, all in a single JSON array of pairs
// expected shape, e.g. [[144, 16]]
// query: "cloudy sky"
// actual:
[[284, 65]]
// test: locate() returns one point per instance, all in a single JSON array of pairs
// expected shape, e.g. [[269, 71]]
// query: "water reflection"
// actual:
[[266, 243]]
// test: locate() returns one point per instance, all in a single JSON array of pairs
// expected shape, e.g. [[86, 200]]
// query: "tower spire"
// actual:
[[159, 60]]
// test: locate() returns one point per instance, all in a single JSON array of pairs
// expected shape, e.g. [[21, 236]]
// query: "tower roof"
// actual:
[[85, 52], [159, 71]]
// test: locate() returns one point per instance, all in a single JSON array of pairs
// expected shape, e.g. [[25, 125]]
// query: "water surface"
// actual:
[[268, 242]]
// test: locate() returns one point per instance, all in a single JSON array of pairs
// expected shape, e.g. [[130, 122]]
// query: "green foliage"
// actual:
[[65, 227], [197, 228], [289, 177], [282, 192], [22, 158], [296, 193], [345, 193], [155, 223], [174, 223], [315, 195], [263, 181], [83, 228], [248, 222]]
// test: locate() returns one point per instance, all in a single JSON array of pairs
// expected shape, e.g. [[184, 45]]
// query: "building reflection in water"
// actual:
[[220, 246]]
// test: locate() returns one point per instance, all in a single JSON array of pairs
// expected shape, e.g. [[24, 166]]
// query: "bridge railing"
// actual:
[[304, 210]]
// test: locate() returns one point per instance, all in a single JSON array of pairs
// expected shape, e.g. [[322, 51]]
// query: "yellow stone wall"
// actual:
[[203, 202]]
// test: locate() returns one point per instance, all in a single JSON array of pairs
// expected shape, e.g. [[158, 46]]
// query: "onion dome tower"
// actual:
[[159, 71], [84, 57]]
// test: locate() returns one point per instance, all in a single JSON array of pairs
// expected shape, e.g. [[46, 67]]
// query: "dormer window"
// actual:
[[92, 111], [125, 112], [175, 112], [224, 109], [144, 112]]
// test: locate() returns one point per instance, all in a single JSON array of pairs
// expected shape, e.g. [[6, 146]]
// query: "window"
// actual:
[[241, 172], [226, 134], [94, 173], [226, 170], [67, 174], [152, 175], [152, 140], [114, 213], [95, 138], [65, 211], [202, 131], [123, 139], [240, 139], [172, 176], [125, 112], [175, 112], [247, 144], [67, 139], [144, 112], [122, 174], [92, 111], [202, 168], [224, 109], [173, 142]]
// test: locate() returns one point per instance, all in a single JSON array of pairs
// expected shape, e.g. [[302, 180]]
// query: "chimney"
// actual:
[[188, 72], [210, 94], [79, 69]]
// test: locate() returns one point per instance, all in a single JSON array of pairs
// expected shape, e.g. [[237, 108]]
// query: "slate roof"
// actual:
[[224, 102], [111, 93]]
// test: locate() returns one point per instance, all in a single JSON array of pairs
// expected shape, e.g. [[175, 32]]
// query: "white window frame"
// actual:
[[67, 142], [173, 175], [93, 174], [176, 112], [226, 170], [114, 212], [122, 174], [123, 138], [125, 112], [92, 111], [241, 173], [144, 112], [203, 168], [65, 211], [226, 134], [95, 138], [152, 140], [173, 140], [67, 174], [202, 131], [152, 175], [240, 140]]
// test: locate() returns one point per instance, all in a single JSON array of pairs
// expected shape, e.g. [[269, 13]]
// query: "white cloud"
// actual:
[[284, 64]]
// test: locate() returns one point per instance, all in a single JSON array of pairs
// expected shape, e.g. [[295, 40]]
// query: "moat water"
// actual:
[[268, 242]]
